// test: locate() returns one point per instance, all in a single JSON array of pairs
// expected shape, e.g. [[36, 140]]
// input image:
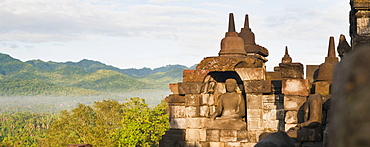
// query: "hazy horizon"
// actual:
[[153, 33]]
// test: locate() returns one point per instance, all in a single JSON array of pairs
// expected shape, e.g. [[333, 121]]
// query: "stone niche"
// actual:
[[267, 101]]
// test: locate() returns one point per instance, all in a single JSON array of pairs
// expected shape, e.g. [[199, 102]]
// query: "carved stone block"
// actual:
[[363, 24], [254, 101], [228, 135], [273, 75], [204, 111], [190, 87], [273, 114], [299, 87], [293, 102], [254, 124], [247, 144], [323, 87], [271, 125], [251, 73], [261, 86], [242, 135], [291, 117], [253, 137], [195, 134], [178, 123], [272, 106], [174, 98], [177, 111], [272, 98], [194, 75], [254, 113], [196, 123], [192, 99], [213, 135], [232, 144], [174, 87], [216, 144], [291, 70], [192, 111], [203, 144]]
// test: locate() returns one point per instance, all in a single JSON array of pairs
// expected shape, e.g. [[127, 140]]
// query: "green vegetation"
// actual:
[[54, 104], [105, 123], [25, 129], [20, 87], [83, 78]]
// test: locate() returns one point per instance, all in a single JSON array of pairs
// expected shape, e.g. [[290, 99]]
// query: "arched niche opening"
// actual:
[[218, 78]]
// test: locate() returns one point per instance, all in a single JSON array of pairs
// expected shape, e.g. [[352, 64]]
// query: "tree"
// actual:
[[142, 126], [24, 129], [109, 123]]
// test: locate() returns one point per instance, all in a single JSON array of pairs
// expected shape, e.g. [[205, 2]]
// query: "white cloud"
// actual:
[[194, 28], [43, 20], [165, 1], [8, 46]]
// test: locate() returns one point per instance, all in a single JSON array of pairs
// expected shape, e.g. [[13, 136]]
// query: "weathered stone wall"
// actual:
[[274, 101]]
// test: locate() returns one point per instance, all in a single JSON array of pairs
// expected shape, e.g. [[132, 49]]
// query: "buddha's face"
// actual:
[[230, 85]]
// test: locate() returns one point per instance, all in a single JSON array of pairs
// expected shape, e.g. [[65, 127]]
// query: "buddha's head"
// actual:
[[230, 85]]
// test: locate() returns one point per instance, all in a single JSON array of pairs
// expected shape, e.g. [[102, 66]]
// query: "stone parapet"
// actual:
[[273, 75], [299, 87], [192, 111], [291, 70], [257, 86], [190, 87], [177, 111], [251, 73], [194, 75]]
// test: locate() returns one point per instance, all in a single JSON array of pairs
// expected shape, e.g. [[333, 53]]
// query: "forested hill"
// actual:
[[86, 77]]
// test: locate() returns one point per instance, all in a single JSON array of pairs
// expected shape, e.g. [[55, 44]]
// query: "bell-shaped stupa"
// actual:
[[232, 44], [286, 58], [326, 69]]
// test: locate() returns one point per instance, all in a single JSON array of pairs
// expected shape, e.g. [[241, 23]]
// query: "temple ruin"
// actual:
[[260, 102]]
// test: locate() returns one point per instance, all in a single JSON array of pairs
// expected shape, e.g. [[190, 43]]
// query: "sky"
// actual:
[[155, 33]]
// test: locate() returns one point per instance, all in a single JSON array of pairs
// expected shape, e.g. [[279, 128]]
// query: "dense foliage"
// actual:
[[25, 129], [105, 123]]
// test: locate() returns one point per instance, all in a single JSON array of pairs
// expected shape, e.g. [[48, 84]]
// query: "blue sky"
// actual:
[[154, 33]]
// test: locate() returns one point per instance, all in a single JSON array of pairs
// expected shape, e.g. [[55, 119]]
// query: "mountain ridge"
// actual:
[[92, 77]]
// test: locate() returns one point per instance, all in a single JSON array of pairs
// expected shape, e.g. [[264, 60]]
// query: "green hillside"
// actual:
[[110, 81], [86, 77], [20, 87]]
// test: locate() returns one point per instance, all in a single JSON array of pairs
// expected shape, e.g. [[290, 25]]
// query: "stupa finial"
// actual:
[[246, 21], [331, 49], [231, 23], [286, 58]]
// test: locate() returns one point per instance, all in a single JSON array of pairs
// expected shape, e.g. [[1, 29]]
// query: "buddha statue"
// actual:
[[230, 109], [310, 128]]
